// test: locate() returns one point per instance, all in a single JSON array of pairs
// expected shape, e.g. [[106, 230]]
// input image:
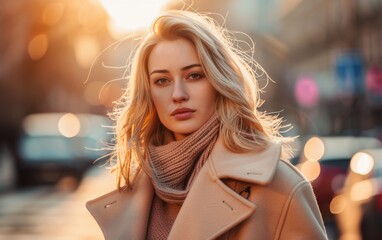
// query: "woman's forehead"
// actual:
[[172, 53]]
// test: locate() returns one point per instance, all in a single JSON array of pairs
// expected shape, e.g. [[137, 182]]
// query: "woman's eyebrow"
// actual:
[[183, 68], [191, 66], [159, 71]]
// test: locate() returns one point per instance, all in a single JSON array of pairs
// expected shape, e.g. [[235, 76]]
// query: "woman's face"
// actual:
[[183, 97]]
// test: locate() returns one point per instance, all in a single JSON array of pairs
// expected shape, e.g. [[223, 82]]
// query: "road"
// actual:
[[53, 212]]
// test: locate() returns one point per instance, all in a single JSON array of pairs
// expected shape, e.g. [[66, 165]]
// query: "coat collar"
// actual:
[[211, 207], [253, 167]]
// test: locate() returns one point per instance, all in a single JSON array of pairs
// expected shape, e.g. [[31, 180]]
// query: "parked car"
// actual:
[[325, 162], [55, 145], [358, 206]]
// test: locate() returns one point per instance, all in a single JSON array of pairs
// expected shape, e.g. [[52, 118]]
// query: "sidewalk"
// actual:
[[81, 224]]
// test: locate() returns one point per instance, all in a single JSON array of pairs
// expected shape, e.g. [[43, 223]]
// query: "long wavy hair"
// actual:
[[231, 72]]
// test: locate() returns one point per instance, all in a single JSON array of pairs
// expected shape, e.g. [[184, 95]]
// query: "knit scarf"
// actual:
[[175, 165]]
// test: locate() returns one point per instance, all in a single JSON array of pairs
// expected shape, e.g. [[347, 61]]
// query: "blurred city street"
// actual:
[[53, 212], [65, 64]]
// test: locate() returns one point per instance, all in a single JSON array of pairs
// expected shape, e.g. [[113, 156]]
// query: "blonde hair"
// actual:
[[230, 71]]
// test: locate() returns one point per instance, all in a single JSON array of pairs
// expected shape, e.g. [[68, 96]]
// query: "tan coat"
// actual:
[[281, 203]]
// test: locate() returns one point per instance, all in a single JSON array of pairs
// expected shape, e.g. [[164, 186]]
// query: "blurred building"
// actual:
[[334, 44]]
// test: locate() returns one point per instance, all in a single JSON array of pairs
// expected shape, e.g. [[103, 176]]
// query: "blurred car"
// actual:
[[325, 162], [56, 145], [358, 206]]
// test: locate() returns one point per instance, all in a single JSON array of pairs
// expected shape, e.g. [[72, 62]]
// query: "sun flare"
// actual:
[[131, 15]]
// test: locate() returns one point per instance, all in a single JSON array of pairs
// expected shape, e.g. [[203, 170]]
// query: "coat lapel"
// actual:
[[211, 207], [124, 214]]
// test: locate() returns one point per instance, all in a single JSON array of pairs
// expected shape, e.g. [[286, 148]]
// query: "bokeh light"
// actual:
[[38, 46], [69, 125], [52, 13], [338, 204], [86, 49], [362, 163], [311, 170], [314, 149], [374, 79], [306, 92], [362, 190]]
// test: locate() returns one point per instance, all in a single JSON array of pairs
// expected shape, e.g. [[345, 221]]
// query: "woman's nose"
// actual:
[[179, 93]]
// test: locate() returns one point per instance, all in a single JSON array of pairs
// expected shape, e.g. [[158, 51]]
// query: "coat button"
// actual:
[[246, 192]]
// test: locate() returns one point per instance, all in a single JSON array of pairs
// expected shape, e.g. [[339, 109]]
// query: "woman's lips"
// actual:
[[182, 113]]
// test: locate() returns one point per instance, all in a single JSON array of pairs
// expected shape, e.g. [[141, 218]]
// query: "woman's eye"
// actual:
[[161, 81], [195, 76]]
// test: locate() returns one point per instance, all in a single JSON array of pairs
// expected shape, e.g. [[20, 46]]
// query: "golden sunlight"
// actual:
[[69, 125], [131, 15]]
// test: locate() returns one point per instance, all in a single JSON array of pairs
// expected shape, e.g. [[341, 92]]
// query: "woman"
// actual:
[[195, 158]]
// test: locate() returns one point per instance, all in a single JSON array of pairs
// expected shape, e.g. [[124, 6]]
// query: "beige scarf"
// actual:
[[175, 165]]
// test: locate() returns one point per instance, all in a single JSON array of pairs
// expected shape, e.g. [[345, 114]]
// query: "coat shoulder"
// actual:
[[286, 167], [286, 181]]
